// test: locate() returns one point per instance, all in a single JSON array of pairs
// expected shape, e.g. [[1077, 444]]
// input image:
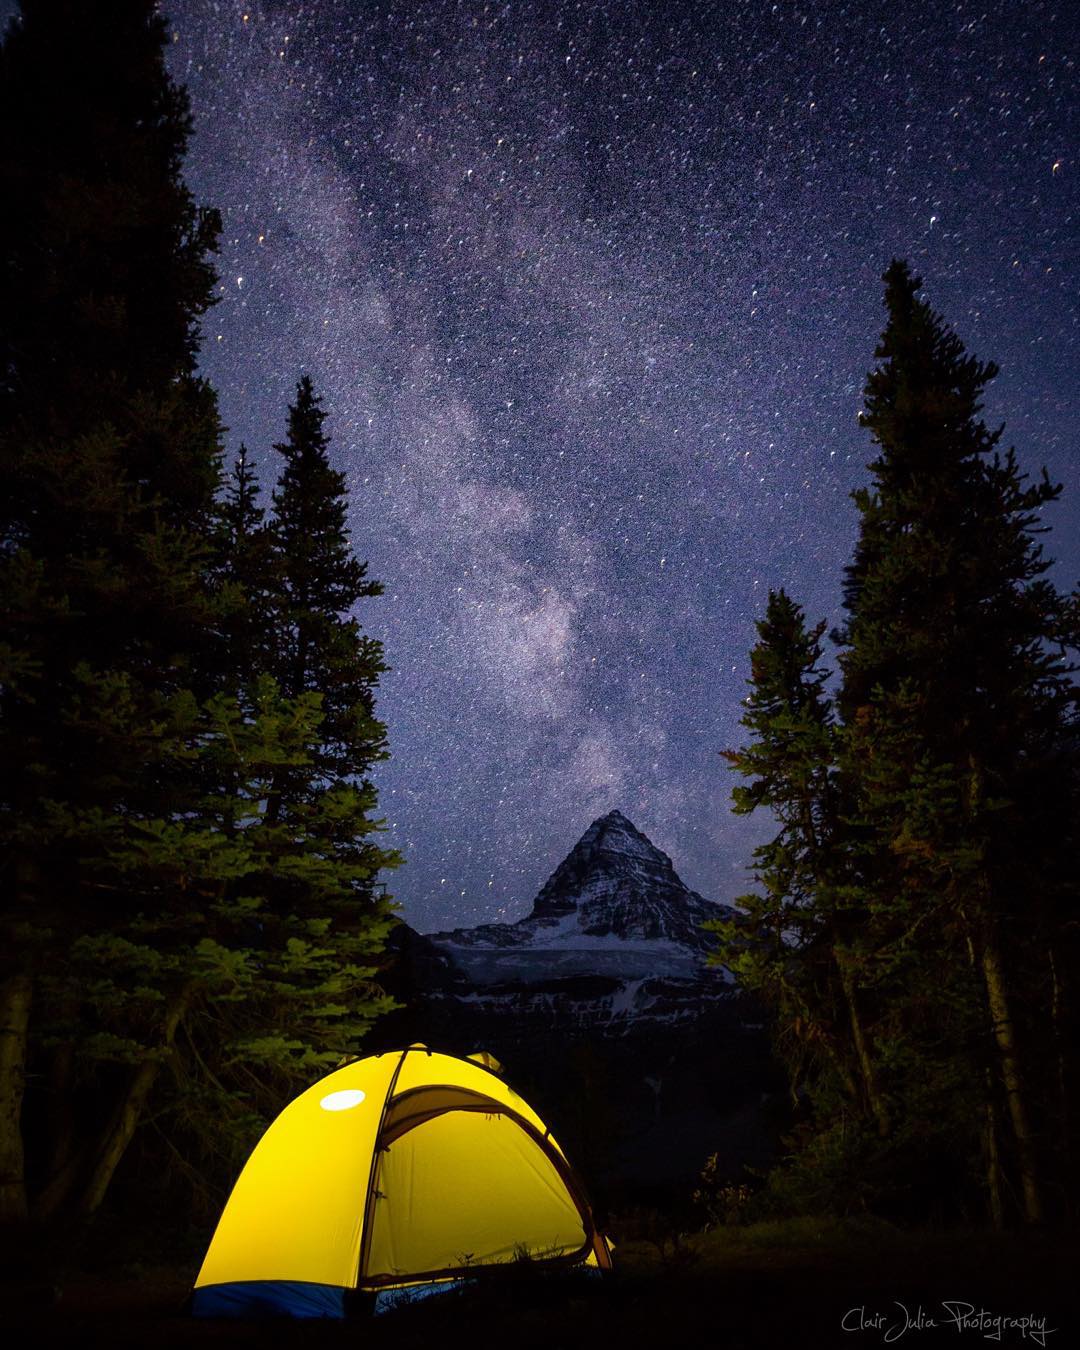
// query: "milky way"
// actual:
[[590, 292]]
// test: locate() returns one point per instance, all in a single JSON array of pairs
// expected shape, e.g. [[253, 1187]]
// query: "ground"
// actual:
[[769, 1287]]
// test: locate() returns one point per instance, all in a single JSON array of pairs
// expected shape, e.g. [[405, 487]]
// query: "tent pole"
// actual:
[[369, 1198]]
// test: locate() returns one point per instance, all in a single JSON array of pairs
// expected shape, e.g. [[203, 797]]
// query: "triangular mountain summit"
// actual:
[[614, 906], [603, 993]]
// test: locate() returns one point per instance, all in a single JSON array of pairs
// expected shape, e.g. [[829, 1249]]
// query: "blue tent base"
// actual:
[[388, 1300], [269, 1298], [261, 1299], [255, 1299]]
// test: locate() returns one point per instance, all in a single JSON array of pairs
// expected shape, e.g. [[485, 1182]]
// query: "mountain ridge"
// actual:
[[602, 993], [614, 906]]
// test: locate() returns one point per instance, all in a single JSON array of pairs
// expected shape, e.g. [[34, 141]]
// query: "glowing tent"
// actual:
[[402, 1169]]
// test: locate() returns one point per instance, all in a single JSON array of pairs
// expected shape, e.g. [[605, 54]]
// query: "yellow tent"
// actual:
[[402, 1169]]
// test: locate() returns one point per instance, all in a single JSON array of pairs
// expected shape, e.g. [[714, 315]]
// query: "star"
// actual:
[[589, 301]]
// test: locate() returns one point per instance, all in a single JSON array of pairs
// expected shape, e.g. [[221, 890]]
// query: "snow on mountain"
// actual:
[[602, 993], [614, 907]]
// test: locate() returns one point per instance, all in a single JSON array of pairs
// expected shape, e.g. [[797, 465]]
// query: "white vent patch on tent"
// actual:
[[342, 1101]]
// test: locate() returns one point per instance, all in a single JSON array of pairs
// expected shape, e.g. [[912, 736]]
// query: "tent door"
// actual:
[[464, 1182]]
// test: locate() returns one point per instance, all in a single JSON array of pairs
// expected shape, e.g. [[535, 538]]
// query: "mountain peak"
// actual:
[[615, 903], [611, 847], [614, 821]]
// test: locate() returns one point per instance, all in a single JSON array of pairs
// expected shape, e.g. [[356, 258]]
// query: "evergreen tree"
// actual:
[[109, 451], [919, 904], [795, 943], [247, 579], [265, 926], [956, 688], [248, 963], [319, 580], [296, 924], [170, 942], [105, 252], [780, 944]]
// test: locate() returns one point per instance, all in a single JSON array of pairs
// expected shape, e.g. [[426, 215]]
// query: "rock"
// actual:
[[602, 992]]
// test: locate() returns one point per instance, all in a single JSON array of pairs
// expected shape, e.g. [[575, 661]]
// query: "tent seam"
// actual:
[[369, 1196]]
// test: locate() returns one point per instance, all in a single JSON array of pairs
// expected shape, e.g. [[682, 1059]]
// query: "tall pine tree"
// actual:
[[319, 581], [172, 947], [956, 689], [295, 928], [247, 579], [925, 860], [109, 450], [795, 942]]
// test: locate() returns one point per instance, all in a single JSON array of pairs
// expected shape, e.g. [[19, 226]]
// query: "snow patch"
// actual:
[[626, 998]]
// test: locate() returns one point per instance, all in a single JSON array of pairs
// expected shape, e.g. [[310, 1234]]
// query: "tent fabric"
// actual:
[[421, 1070], [467, 1189], [412, 1108], [269, 1298], [294, 1215], [399, 1169]]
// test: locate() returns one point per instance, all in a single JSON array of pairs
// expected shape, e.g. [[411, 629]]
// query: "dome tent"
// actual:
[[401, 1169]]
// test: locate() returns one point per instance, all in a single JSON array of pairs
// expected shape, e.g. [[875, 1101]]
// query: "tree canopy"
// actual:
[[192, 918], [928, 814]]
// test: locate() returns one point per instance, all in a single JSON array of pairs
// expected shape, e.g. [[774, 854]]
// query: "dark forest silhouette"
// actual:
[[191, 921], [916, 933]]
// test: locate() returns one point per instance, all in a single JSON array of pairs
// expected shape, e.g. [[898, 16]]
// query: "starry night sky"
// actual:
[[590, 291]]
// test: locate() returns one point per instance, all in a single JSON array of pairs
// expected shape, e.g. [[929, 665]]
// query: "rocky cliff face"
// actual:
[[615, 910], [602, 1005]]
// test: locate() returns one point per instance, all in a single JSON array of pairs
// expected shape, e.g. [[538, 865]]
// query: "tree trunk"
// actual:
[[15, 996], [994, 1175], [50, 1200], [1019, 1116], [1001, 1020], [817, 1034], [867, 1071], [993, 1160], [125, 1121], [65, 1159], [1058, 1004]]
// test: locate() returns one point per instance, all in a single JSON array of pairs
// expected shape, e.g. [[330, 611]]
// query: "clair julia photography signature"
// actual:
[[897, 1321]]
